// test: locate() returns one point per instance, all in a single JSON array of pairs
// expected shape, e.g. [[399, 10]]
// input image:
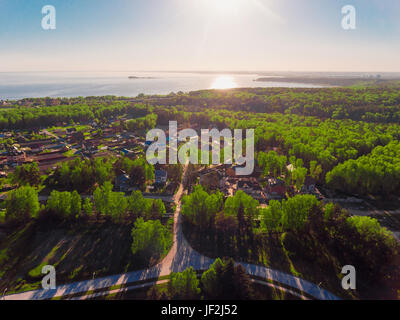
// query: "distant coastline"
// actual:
[[19, 85], [137, 78], [326, 81]]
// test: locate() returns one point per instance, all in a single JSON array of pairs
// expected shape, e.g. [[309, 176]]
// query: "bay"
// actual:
[[18, 85]]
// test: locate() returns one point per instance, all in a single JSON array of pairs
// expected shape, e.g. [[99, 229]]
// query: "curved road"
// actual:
[[180, 257]]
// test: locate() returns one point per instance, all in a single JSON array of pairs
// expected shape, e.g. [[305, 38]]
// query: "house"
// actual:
[[276, 188], [126, 151], [259, 195], [71, 130], [210, 179], [122, 182], [17, 159], [91, 143], [251, 187], [52, 102], [228, 186], [161, 176], [35, 148], [309, 185], [110, 132], [231, 170], [49, 157], [59, 132], [36, 143], [245, 185], [77, 137]]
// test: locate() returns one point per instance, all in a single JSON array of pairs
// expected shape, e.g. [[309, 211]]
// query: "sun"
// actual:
[[224, 82], [224, 6]]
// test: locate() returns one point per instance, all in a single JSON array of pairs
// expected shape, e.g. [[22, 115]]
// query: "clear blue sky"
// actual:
[[118, 35]]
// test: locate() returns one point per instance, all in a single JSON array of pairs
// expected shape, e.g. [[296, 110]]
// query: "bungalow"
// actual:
[[91, 143], [210, 179], [230, 170], [309, 185], [49, 157], [227, 187], [110, 132], [5, 103], [71, 130], [36, 143], [77, 137], [122, 182], [276, 188], [161, 176], [245, 185]]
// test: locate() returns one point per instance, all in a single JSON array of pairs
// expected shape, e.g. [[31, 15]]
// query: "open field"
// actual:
[[78, 251]]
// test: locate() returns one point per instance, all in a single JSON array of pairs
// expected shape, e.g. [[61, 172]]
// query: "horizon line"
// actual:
[[205, 71]]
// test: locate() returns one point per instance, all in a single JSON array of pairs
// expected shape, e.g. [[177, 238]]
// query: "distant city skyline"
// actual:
[[201, 35]]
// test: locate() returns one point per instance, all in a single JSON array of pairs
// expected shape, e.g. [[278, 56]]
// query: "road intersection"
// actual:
[[180, 257]]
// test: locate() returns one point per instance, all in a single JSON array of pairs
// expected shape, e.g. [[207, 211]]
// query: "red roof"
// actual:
[[49, 157]]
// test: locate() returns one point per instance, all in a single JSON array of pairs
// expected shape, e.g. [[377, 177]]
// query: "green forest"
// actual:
[[346, 139]]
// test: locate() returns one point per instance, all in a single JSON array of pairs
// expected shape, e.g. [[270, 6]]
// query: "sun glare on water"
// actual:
[[224, 82]]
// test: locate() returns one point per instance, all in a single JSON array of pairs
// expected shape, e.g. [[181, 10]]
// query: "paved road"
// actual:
[[83, 196], [370, 212], [163, 198], [180, 257]]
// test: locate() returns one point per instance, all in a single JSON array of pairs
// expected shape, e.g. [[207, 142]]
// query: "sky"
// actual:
[[201, 35]]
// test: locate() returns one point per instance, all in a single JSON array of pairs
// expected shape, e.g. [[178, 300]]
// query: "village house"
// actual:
[[91, 144], [52, 102], [16, 160], [71, 130], [251, 187], [4, 103], [210, 180], [76, 137], [110, 132], [276, 189], [36, 143], [228, 186], [309, 185], [161, 177], [122, 182]]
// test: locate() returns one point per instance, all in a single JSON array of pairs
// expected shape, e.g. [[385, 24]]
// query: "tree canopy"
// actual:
[[22, 204], [150, 239]]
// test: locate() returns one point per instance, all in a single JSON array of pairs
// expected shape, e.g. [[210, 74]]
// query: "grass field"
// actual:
[[77, 251]]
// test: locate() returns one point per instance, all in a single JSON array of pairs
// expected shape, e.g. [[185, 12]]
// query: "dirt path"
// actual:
[[45, 131]]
